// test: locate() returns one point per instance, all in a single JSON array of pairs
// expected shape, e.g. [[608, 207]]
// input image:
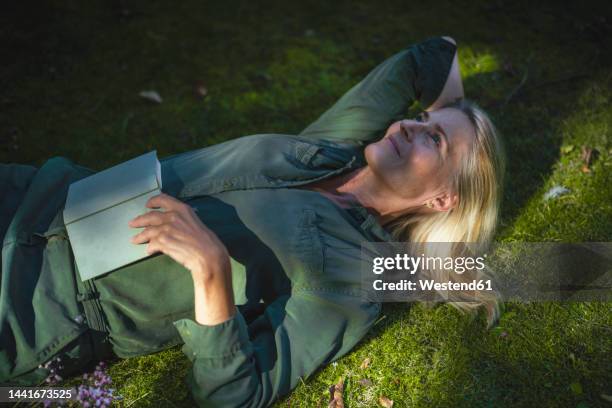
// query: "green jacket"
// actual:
[[295, 255]]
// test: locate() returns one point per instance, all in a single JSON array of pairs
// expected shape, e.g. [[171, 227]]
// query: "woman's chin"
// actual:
[[381, 154]]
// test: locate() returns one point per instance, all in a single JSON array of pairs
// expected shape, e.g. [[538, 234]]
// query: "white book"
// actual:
[[98, 209]]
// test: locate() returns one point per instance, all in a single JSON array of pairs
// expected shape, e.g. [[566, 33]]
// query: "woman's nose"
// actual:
[[409, 128]]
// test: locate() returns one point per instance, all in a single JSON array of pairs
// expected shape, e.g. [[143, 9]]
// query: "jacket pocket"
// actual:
[[305, 152], [309, 244], [317, 156]]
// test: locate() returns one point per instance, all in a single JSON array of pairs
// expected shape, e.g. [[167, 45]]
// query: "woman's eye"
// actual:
[[436, 138]]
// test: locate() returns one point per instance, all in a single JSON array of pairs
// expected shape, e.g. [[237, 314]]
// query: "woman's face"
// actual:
[[417, 157]]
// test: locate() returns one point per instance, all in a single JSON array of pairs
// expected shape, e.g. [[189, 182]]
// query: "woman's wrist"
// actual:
[[213, 292], [210, 266]]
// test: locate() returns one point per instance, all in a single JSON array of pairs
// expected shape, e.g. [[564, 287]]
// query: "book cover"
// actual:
[[98, 209]]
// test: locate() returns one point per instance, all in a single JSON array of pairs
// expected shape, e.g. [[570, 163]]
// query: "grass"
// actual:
[[70, 85]]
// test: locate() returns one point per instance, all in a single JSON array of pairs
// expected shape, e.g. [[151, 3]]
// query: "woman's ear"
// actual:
[[445, 202]]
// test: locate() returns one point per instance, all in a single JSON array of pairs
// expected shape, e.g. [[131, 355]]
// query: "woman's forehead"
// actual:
[[455, 124]]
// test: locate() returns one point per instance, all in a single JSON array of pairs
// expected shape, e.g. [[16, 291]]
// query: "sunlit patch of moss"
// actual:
[[484, 78], [161, 383], [472, 62]]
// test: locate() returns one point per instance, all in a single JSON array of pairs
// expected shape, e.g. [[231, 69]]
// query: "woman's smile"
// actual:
[[395, 146]]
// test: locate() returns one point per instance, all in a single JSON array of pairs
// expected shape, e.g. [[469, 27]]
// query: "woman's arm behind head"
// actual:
[[453, 87]]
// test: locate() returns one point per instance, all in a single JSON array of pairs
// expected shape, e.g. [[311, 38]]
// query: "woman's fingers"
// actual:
[[157, 237], [165, 201], [178, 232], [168, 245], [148, 234], [154, 218], [171, 208]]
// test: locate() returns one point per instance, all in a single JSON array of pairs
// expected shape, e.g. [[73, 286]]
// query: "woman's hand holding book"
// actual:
[[179, 233]]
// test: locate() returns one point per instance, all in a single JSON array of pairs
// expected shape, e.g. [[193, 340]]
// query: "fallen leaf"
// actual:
[[587, 152], [365, 363], [200, 90], [555, 192], [365, 382], [385, 402], [152, 96], [588, 156], [336, 392]]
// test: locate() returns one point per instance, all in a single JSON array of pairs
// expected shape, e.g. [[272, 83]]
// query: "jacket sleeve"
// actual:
[[365, 111], [235, 365]]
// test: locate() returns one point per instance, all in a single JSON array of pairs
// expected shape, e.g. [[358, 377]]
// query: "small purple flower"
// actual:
[[94, 391]]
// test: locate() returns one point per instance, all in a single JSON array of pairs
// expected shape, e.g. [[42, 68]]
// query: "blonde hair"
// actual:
[[478, 183]]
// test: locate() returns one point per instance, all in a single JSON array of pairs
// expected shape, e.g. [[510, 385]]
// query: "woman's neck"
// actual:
[[361, 188]]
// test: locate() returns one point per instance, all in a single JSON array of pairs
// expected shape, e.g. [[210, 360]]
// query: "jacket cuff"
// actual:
[[433, 59], [217, 341]]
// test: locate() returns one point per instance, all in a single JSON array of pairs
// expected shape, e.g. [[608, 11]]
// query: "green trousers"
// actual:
[[45, 309]]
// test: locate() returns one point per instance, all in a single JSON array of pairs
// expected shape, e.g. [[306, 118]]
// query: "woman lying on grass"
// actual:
[[265, 231]]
